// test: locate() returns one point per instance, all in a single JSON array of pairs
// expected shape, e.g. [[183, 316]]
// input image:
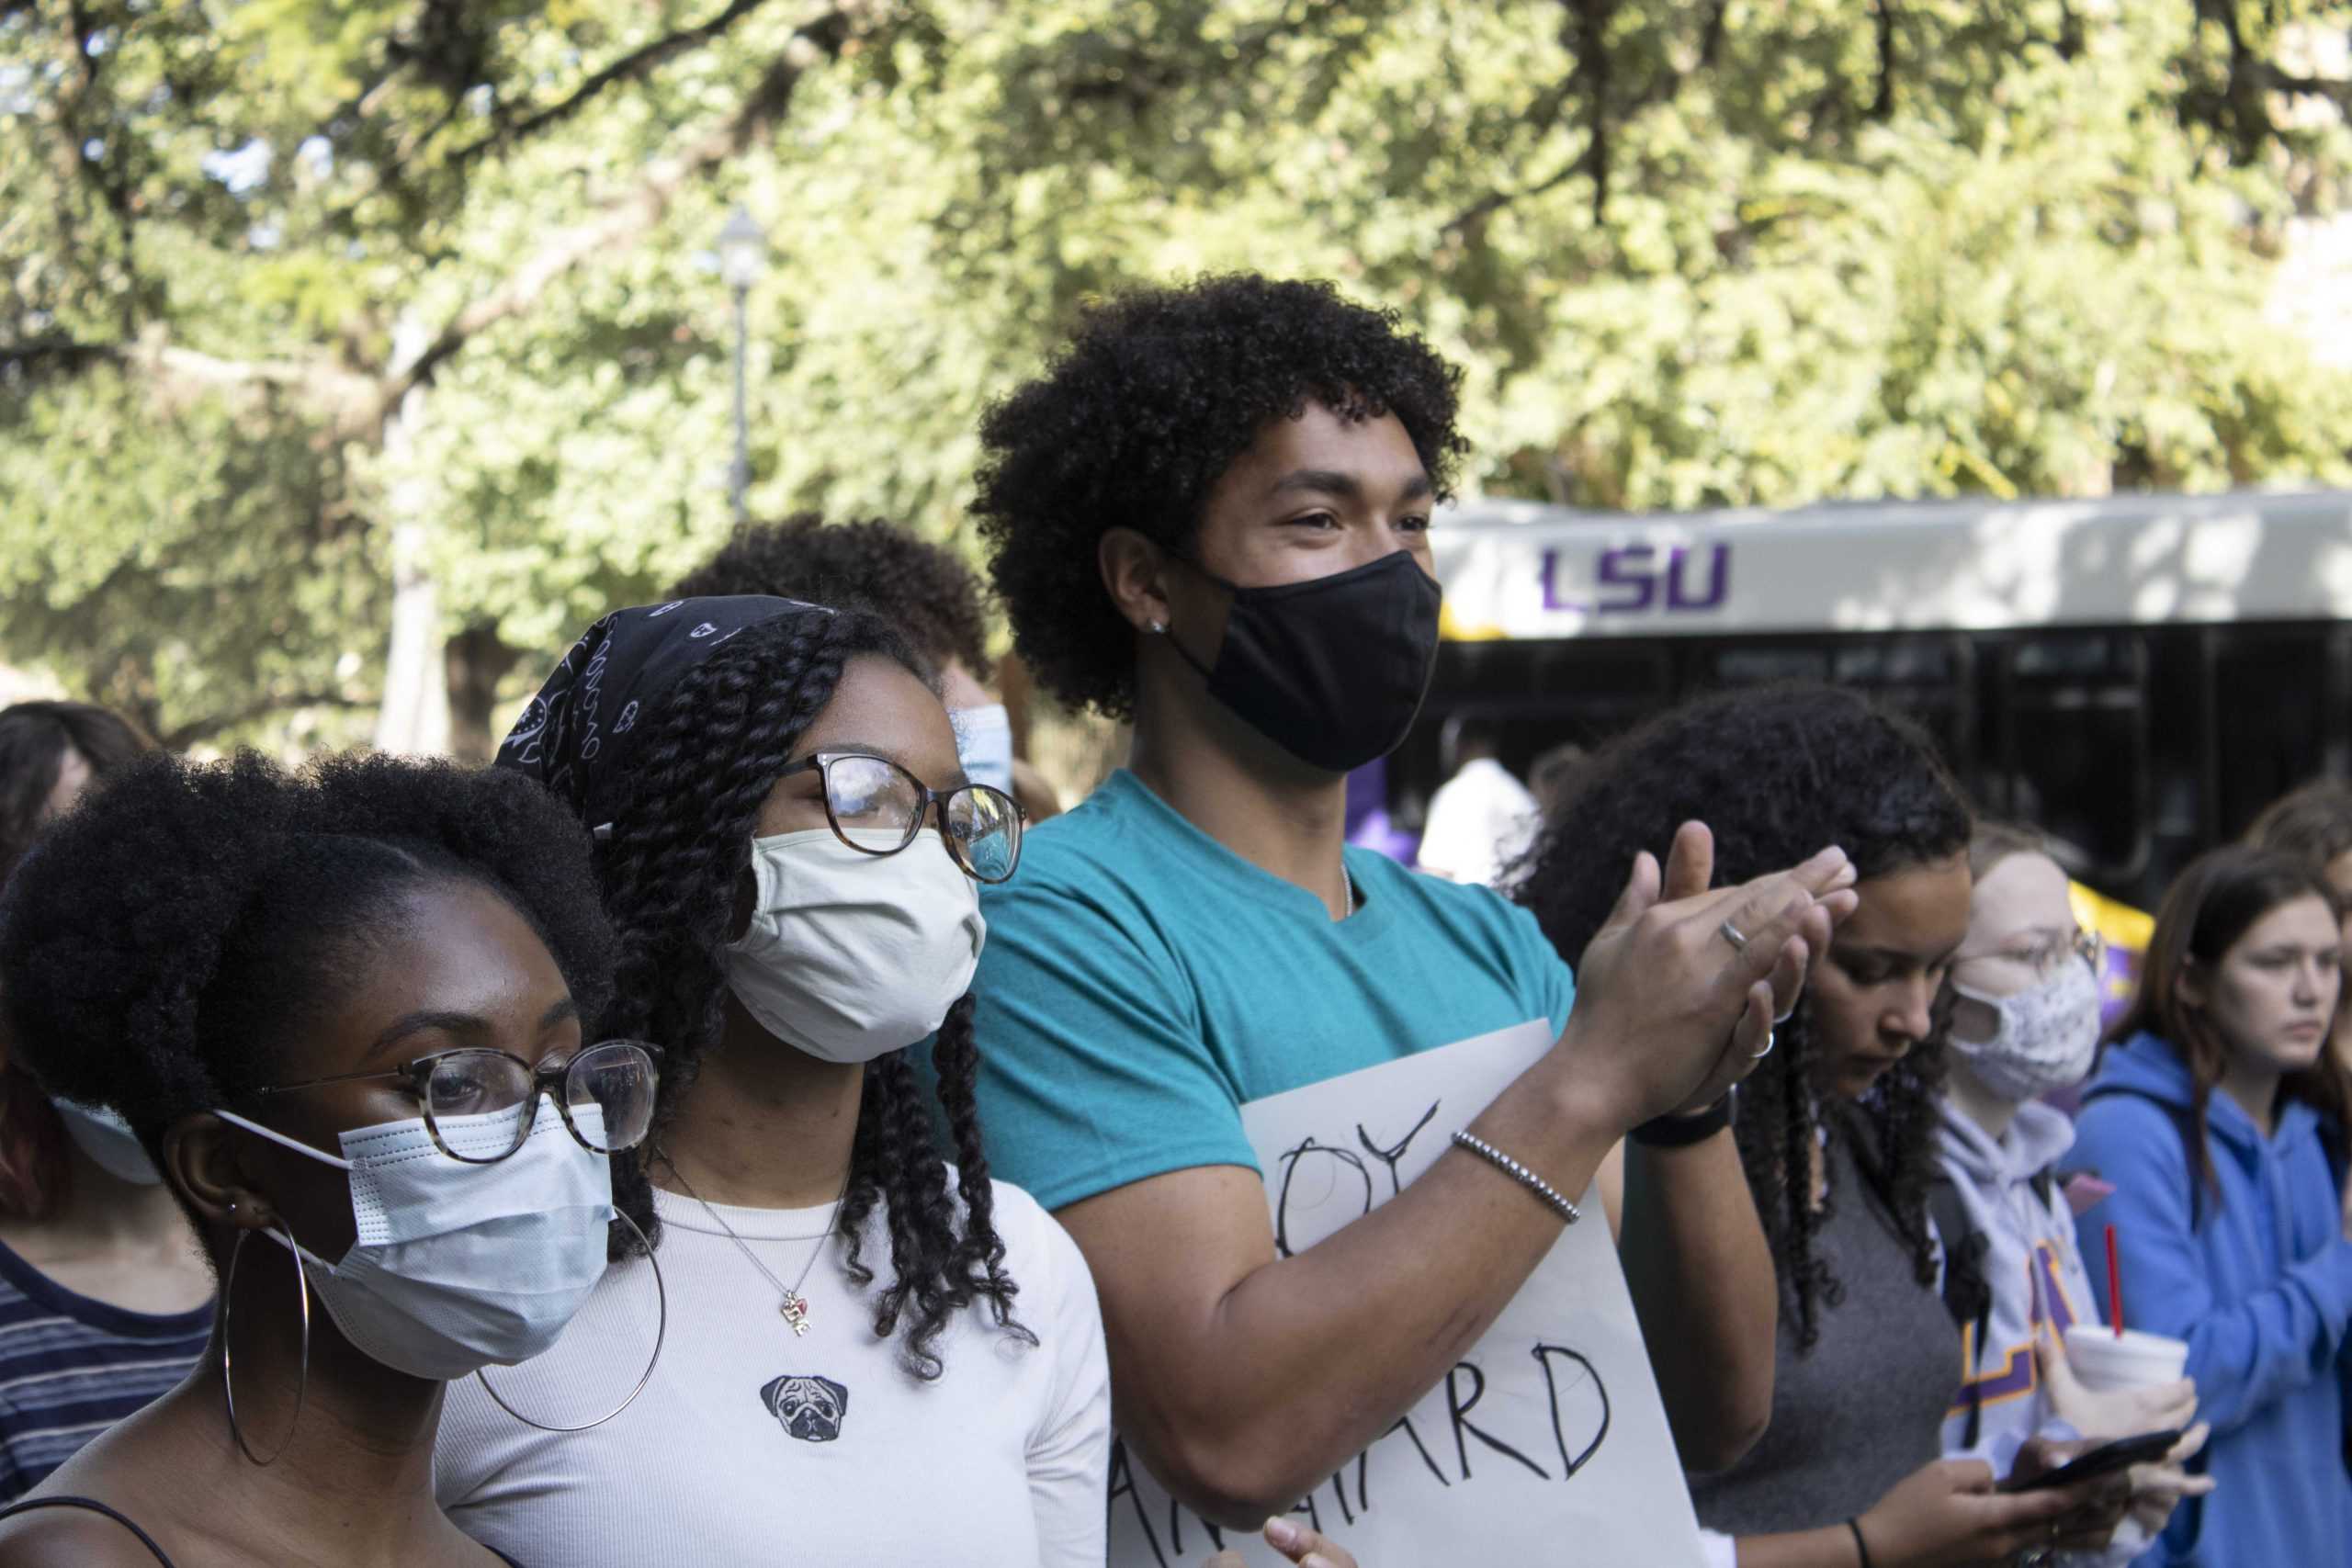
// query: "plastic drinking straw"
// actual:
[[2114, 1285]]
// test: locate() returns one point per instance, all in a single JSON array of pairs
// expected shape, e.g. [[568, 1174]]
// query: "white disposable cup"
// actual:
[[2102, 1361]]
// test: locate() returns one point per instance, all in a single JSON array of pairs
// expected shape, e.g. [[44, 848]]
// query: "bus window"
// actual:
[[2069, 748], [1760, 664], [2272, 720]]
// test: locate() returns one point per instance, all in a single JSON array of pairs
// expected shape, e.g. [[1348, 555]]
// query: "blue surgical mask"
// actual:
[[984, 744], [107, 1140], [458, 1266]]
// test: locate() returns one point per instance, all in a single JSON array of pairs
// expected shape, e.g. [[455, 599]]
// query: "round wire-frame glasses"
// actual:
[[617, 1077], [2046, 954]]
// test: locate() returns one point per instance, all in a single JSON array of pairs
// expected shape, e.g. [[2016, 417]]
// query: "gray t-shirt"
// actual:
[[1864, 1407]]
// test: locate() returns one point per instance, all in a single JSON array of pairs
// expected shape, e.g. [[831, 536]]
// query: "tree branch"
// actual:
[[181, 737], [345, 398], [357, 404], [1495, 201], [636, 64], [625, 222], [1596, 69], [2241, 106], [40, 355], [2279, 81], [116, 194], [1593, 78], [1883, 18], [1710, 36]]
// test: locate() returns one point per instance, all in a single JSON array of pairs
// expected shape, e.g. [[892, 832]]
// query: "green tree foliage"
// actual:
[[284, 282]]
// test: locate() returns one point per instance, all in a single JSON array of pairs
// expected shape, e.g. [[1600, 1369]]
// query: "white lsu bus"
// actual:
[[2138, 675]]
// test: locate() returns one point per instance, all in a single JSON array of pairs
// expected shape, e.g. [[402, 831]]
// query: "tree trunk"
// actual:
[[478, 661], [415, 715]]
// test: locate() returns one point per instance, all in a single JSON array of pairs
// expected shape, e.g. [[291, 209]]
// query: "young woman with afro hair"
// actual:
[[1210, 516], [346, 1013], [788, 849], [1837, 1127]]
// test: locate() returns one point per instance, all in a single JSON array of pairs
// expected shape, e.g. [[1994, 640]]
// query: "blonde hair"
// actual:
[[1993, 843]]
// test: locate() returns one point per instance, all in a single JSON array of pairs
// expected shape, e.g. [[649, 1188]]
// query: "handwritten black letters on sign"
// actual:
[[1319, 1188]]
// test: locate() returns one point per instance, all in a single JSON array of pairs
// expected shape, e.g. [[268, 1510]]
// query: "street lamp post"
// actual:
[[742, 251]]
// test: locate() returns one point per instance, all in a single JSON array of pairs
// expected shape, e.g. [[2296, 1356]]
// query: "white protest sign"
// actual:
[[1544, 1444]]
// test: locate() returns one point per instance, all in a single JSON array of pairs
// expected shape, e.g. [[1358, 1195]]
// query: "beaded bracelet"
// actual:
[[1521, 1174]]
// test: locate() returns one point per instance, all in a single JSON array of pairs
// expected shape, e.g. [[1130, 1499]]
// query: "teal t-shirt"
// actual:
[[1140, 983]]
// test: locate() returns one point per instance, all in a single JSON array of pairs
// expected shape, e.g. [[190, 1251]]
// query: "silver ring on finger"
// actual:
[[1772, 1038], [1734, 935]]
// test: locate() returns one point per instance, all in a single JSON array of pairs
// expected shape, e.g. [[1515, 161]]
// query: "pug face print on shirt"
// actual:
[[808, 1407]]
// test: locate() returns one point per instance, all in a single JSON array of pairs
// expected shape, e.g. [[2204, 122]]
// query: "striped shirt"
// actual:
[[71, 1367]]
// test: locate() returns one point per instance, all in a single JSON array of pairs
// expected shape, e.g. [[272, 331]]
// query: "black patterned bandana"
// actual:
[[576, 735]]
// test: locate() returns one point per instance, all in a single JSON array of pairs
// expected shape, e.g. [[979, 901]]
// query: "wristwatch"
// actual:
[[1682, 1130]]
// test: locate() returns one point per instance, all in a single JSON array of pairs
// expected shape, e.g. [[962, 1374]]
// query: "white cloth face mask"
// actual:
[[458, 1267], [984, 744], [107, 1138], [850, 956], [2046, 1038]]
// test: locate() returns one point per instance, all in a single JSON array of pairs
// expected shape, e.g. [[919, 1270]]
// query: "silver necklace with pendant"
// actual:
[[791, 1304]]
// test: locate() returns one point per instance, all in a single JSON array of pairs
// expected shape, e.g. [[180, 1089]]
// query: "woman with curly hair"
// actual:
[[1837, 1127], [344, 1013], [790, 852], [105, 1298], [2233, 1222]]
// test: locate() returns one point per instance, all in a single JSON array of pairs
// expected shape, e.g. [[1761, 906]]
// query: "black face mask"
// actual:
[[1332, 670]]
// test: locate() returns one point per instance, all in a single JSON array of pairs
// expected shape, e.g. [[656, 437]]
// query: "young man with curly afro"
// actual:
[[1210, 516]]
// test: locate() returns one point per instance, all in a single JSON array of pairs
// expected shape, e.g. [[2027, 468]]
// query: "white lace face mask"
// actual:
[[2046, 1037]]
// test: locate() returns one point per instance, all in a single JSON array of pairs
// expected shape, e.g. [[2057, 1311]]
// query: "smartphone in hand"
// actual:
[[2105, 1459]]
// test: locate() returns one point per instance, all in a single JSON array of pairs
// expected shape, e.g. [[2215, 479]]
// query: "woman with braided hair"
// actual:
[[788, 850], [1837, 1127]]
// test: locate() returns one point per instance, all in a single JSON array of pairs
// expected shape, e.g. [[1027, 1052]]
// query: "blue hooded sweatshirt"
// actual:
[[2260, 1286]]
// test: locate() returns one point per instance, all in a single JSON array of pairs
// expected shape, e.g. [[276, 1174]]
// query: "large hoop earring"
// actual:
[[660, 1334], [227, 1379]]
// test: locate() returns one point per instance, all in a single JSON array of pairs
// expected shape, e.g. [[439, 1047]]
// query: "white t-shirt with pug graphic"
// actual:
[[752, 1446]]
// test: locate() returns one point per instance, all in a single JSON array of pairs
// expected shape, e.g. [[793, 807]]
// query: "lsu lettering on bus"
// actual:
[[1631, 579]]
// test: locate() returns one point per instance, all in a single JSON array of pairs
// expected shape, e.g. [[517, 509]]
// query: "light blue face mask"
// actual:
[[984, 744], [107, 1140], [456, 1266]]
